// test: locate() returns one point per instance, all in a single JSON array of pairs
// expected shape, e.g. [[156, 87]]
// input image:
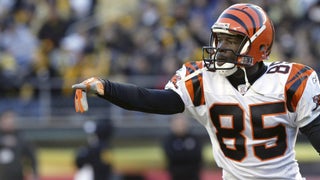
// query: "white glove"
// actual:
[[92, 85]]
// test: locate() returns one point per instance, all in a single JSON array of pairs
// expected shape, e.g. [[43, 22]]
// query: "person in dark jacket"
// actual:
[[97, 153], [183, 151], [17, 155]]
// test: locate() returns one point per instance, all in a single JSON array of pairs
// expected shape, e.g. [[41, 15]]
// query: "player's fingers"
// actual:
[[79, 86], [80, 101], [76, 101]]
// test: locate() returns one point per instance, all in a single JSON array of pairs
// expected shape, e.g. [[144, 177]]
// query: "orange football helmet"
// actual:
[[249, 21]]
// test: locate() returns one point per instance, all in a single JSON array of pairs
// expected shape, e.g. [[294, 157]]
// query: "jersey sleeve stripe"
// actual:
[[296, 84], [192, 67], [195, 84], [297, 74]]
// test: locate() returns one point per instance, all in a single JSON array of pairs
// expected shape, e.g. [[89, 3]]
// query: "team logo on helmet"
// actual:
[[221, 25]]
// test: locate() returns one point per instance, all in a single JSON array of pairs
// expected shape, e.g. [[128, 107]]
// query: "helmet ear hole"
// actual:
[[263, 48], [264, 51]]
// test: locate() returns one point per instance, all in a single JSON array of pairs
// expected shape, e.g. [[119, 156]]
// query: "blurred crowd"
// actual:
[[55, 43]]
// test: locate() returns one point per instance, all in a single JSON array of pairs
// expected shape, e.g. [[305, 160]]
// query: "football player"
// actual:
[[252, 109]]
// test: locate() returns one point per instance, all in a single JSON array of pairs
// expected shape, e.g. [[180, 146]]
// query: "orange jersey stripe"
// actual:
[[195, 84], [296, 84]]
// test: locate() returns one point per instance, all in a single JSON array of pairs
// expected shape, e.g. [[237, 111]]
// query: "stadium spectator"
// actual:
[[53, 29], [252, 109], [96, 155], [17, 155], [18, 40], [183, 151]]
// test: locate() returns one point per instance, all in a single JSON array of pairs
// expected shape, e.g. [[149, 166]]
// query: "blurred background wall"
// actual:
[[48, 45]]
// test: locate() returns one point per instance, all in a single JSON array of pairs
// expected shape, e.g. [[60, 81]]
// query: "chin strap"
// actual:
[[245, 77], [243, 88], [246, 86]]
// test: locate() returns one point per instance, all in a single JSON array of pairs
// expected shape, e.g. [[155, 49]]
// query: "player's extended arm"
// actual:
[[312, 131], [132, 97]]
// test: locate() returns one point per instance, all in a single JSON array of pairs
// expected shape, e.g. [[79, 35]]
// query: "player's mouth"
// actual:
[[221, 60]]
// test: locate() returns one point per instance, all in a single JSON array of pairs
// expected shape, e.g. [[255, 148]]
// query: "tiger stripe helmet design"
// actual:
[[251, 22]]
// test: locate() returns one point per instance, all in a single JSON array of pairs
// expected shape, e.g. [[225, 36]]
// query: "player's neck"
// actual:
[[253, 73]]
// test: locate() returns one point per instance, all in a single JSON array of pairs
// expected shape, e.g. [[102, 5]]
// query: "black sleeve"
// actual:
[[136, 98], [312, 131]]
